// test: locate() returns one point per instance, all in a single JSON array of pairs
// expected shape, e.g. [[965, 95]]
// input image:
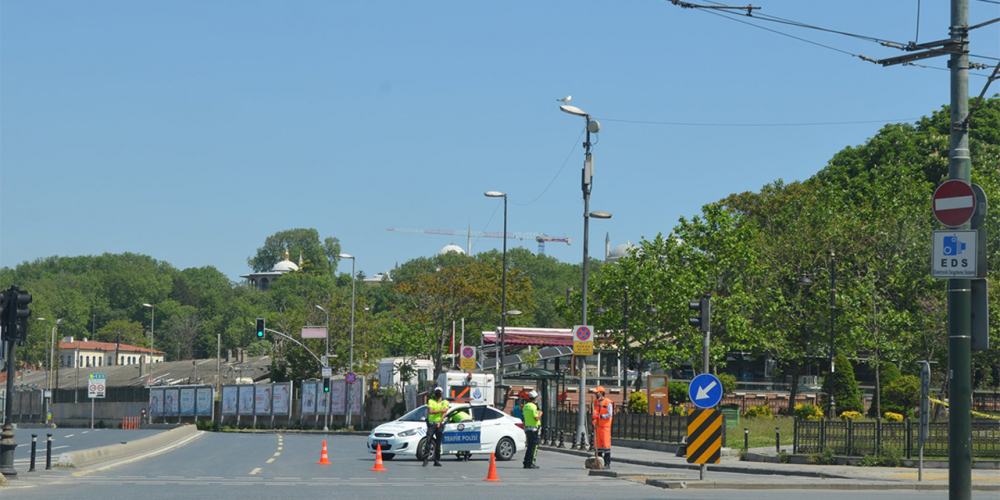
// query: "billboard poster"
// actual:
[[337, 391], [322, 401], [204, 401], [357, 396], [308, 397], [171, 402], [187, 401], [156, 401], [282, 398], [229, 399], [246, 400], [262, 399]]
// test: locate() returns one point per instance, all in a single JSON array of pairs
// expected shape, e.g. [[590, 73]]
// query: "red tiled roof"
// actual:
[[93, 345]]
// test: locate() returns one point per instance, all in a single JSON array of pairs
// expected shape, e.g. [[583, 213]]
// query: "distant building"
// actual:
[[87, 353], [262, 280]]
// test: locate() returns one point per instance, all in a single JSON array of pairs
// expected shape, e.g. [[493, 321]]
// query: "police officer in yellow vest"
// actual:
[[436, 409], [532, 429]]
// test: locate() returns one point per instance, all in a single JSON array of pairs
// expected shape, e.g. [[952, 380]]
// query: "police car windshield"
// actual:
[[418, 415]]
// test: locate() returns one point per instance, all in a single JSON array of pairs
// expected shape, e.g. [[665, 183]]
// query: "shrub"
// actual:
[[637, 402], [677, 393], [728, 383], [677, 410], [759, 411], [808, 411], [902, 394], [893, 417], [851, 415], [783, 457], [825, 458], [845, 386]]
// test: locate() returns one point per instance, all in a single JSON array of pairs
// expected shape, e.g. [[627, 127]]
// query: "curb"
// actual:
[[84, 458], [718, 468], [667, 484]]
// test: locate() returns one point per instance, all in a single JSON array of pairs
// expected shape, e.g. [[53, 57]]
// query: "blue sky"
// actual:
[[190, 131]]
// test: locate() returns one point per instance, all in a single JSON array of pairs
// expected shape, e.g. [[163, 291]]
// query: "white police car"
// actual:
[[489, 431]]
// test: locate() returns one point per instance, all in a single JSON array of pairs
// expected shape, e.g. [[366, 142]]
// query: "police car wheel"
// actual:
[[505, 449], [421, 451]]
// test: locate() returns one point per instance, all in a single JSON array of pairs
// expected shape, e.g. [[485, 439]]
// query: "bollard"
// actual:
[[777, 439], [562, 443], [34, 443], [48, 452], [746, 438]]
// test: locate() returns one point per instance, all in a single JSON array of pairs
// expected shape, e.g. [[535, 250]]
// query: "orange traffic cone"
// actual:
[[492, 474], [323, 458], [378, 460]]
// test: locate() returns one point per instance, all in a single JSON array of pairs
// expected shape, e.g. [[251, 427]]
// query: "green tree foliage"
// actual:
[[318, 257], [902, 395]]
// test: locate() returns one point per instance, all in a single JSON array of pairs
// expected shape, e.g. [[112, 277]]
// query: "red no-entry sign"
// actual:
[[954, 203]]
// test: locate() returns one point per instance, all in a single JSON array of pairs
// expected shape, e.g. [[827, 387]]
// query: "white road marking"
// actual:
[[258, 469], [278, 454], [269, 461]]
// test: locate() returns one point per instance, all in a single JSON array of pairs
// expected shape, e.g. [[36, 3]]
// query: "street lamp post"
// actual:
[[48, 375], [152, 326], [586, 185], [326, 360], [833, 308], [502, 403], [351, 370]]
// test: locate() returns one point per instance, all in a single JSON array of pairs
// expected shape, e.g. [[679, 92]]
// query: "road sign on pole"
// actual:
[[705, 391], [955, 254], [583, 340], [468, 359], [704, 437], [95, 385], [954, 202]]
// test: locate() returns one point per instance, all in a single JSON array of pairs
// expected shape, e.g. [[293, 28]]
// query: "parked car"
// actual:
[[489, 431]]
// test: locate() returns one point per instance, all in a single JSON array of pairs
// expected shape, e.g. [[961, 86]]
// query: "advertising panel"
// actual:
[[282, 398], [171, 402], [204, 400], [246, 400], [262, 399], [187, 401], [229, 399], [309, 397], [156, 401]]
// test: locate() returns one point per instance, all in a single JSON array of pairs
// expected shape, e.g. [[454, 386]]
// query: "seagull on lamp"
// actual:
[[566, 99]]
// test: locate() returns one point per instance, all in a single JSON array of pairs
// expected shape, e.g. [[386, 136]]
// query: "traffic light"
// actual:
[[260, 328], [326, 385], [3, 315], [20, 301], [704, 308]]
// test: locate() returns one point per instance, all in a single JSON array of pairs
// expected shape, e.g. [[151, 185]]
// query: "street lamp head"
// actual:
[[59, 321], [346, 256], [600, 215], [573, 110], [652, 310], [804, 281], [320, 308], [41, 319], [513, 312], [495, 194], [147, 305], [601, 310]]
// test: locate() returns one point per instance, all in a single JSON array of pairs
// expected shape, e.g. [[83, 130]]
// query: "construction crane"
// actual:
[[541, 238]]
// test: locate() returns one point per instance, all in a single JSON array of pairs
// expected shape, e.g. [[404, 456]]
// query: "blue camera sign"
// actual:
[[955, 254]]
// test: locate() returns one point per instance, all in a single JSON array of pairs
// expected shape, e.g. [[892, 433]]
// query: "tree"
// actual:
[[846, 394], [318, 257]]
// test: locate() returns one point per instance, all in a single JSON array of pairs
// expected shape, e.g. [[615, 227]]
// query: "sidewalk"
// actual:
[[635, 463]]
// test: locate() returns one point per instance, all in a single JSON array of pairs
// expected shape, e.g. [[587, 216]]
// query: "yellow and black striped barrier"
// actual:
[[704, 437]]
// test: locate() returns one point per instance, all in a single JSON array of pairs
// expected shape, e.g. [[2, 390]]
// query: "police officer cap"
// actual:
[[532, 394], [438, 390]]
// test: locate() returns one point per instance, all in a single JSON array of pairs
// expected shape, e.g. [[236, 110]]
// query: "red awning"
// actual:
[[532, 336]]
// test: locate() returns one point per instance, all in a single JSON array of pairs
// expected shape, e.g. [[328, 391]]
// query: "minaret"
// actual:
[[607, 245], [468, 241]]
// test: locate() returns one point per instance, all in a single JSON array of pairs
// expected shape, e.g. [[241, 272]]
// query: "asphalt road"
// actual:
[[66, 440], [224, 466]]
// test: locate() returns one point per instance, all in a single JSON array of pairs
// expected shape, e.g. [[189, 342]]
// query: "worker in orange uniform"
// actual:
[[601, 417]]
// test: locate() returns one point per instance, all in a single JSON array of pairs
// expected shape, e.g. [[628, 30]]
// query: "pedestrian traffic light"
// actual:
[[326, 384], [260, 328], [704, 308]]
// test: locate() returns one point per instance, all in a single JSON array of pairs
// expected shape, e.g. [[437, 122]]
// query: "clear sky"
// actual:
[[192, 130]]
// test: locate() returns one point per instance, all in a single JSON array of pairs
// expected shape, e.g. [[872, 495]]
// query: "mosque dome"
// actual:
[[451, 247], [285, 266], [620, 251]]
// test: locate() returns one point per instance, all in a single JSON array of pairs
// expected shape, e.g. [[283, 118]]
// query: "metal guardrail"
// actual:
[[849, 438]]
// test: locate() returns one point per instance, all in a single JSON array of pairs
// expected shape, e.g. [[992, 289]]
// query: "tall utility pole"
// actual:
[[960, 290]]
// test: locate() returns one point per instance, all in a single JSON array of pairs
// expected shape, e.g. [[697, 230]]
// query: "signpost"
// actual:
[[467, 361], [583, 340], [954, 202], [95, 389]]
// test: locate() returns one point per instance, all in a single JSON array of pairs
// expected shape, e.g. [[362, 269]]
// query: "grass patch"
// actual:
[[761, 432]]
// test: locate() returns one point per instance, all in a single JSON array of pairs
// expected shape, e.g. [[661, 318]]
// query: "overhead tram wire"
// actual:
[[554, 177], [751, 125], [731, 16]]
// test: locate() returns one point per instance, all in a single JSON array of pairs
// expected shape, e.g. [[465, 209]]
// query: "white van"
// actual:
[[468, 387]]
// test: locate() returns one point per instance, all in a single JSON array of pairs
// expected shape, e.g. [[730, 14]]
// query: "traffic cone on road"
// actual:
[[323, 457], [378, 460], [492, 474]]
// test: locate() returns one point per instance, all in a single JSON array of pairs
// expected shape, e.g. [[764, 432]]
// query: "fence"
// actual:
[[849, 438], [639, 426]]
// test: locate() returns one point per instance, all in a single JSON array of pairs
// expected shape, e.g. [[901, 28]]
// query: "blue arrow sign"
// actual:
[[705, 391]]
